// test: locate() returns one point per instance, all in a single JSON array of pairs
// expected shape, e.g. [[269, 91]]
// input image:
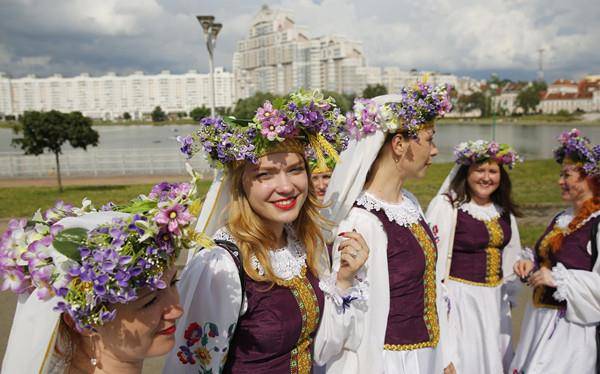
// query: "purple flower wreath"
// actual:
[[577, 148]]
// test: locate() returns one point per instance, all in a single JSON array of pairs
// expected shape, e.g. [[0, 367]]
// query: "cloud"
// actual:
[[460, 36]]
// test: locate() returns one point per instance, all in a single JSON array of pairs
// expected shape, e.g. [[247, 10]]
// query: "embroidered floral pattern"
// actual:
[[207, 337]]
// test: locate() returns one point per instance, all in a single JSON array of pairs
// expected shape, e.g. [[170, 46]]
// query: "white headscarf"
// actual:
[[34, 330], [350, 173]]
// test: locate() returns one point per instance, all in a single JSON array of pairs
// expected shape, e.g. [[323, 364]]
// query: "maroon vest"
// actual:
[[267, 338], [477, 249], [412, 319], [572, 254]]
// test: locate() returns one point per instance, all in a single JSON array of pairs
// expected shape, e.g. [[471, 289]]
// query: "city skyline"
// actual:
[[462, 38]]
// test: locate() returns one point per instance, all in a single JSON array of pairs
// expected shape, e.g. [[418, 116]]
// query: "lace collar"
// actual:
[[404, 213], [564, 219], [481, 212], [286, 262]]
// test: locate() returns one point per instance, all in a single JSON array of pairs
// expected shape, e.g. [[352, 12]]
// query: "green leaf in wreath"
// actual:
[[68, 242], [137, 206]]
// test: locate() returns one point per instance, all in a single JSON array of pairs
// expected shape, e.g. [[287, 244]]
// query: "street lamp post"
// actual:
[[211, 30]]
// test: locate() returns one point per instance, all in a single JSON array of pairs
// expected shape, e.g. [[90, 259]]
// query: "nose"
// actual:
[[173, 309], [434, 150], [284, 184]]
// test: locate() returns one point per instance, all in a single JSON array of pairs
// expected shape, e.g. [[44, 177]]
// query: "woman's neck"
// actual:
[[481, 201], [81, 363], [279, 232], [580, 203], [386, 185]]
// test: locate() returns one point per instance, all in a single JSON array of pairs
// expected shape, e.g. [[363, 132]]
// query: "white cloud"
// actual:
[[457, 35]]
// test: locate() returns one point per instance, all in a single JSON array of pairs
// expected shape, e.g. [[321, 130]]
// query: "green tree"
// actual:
[[344, 102], [126, 116], [246, 108], [158, 115], [374, 90], [474, 101], [50, 130], [199, 112], [181, 115]]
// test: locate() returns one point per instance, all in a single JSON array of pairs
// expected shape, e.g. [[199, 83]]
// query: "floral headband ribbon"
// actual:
[[576, 148], [307, 119], [418, 107], [87, 269], [478, 151]]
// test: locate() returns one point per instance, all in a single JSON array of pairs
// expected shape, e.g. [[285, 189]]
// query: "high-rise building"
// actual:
[[110, 96], [279, 56]]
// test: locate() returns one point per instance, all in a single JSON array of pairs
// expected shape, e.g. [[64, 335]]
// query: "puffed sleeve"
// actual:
[[441, 216], [511, 254], [581, 290], [210, 294], [342, 323]]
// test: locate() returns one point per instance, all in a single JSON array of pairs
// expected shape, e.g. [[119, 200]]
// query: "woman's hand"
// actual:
[[522, 268], [450, 369], [354, 253], [542, 277]]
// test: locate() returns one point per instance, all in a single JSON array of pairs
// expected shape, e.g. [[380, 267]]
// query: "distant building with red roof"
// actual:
[[572, 96]]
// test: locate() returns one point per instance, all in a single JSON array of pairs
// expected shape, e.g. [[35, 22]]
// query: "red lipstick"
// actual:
[[168, 331], [286, 204]]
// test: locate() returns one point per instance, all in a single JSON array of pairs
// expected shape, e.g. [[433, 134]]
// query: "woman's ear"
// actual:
[[68, 320], [399, 146]]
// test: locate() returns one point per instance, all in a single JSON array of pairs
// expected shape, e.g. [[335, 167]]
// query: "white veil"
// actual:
[[350, 173]]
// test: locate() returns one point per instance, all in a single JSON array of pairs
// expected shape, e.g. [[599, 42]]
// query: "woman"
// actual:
[[320, 175], [558, 333], [393, 143], [253, 300], [96, 288], [473, 216]]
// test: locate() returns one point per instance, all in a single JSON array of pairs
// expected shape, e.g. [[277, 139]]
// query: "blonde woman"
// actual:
[[253, 299]]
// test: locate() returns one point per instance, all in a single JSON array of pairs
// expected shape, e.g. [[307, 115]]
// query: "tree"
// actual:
[[126, 116], [181, 115], [158, 115], [374, 90], [344, 102], [476, 100], [246, 108], [50, 130], [199, 112]]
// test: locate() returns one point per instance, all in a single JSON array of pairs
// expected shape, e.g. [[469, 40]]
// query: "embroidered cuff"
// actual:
[[527, 254], [561, 277], [342, 299]]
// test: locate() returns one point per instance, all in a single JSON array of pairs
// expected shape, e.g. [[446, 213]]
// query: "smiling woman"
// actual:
[[272, 292], [96, 287]]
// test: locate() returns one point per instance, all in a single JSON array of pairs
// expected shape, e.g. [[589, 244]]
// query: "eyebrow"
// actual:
[[273, 168]]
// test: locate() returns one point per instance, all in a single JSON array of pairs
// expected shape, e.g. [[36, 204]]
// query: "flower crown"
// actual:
[[478, 151], [306, 118], [576, 148], [89, 270], [418, 107]]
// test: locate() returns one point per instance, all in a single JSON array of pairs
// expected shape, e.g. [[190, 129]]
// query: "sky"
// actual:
[[465, 37]]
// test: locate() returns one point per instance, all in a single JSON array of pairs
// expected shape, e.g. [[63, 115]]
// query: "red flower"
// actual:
[[192, 334]]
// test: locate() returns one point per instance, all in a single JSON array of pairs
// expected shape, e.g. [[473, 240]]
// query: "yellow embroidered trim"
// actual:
[[302, 289], [479, 284], [494, 255], [430, 315]]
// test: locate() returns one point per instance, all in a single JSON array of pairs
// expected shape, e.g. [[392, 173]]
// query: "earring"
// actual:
[[93, 359]]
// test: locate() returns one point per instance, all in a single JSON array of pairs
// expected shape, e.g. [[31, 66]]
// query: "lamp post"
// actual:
[[211, 30]]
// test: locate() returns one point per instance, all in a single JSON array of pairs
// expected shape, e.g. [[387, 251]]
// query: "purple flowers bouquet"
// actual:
[[478, 151], [576, 148], [88, 260], [305, 116]]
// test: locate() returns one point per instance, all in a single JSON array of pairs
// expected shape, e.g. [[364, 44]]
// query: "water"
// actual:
[[153, 149]]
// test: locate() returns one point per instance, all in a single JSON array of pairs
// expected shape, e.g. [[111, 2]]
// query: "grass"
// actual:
[[534, 187], [23, 201]]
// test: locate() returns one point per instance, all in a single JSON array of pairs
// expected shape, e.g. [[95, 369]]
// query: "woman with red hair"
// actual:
[[564, 272]]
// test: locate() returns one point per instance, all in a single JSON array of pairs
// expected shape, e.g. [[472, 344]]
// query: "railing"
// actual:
[[110, 162]]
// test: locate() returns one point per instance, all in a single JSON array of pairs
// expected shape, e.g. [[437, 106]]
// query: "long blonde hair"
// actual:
[[254, 238]]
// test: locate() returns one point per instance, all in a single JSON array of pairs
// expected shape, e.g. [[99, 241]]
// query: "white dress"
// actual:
[[211, 297], [370, 356], [552, 343], [479, 317]]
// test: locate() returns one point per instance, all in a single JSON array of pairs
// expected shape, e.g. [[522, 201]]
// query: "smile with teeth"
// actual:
[[286, 204]]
